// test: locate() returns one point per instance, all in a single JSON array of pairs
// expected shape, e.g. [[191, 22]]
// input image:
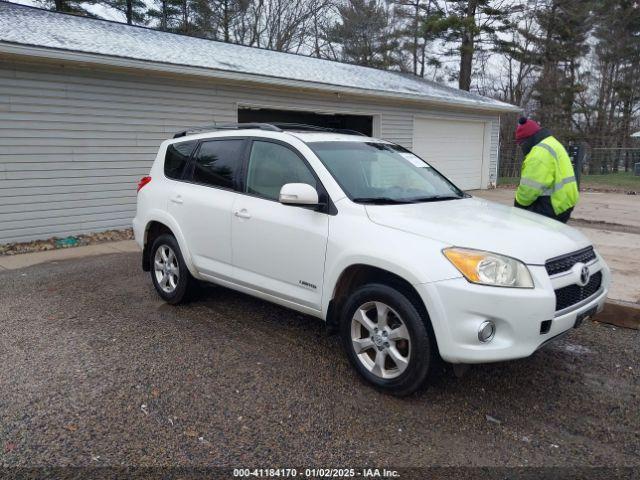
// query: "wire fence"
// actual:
[[601, 161], [592, 161]]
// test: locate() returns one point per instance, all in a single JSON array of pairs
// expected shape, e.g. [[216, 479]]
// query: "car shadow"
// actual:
[[544, 376]]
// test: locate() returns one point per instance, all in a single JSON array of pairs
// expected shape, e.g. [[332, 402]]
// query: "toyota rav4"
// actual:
[[369, 237]]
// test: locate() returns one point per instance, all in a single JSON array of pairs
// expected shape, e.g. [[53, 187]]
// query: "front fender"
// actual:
[[354, 239], [419, 270]]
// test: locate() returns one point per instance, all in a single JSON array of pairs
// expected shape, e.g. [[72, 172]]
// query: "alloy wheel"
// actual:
[[380, 340], [166, 268]]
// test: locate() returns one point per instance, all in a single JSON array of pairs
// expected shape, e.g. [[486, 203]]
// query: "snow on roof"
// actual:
[[34, 27]]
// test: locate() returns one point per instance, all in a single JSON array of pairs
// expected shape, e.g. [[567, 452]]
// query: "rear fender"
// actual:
[[166, 219]]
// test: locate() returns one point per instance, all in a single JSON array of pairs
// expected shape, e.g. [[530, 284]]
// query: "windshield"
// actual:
[[374, 172]]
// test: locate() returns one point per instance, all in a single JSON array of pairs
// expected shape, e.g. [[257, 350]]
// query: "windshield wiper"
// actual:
[[398, 201], [381, 200], [435, 198]]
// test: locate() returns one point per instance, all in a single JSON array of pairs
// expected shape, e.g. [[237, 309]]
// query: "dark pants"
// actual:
[[543, 206]]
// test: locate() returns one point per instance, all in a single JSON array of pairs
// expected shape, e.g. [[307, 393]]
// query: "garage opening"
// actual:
[[359, 123]]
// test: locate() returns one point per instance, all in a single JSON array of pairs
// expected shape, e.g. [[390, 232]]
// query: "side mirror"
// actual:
[[298, 194]]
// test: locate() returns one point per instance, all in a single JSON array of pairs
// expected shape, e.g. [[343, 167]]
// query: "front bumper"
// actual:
[[457, 308]]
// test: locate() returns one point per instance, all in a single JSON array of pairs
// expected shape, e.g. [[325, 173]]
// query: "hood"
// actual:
[[483, 225]]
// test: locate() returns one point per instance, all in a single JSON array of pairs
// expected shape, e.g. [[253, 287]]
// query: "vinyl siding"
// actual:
[[75, 141]]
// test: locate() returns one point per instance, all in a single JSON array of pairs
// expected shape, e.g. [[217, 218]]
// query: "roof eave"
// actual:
[[38, 52]]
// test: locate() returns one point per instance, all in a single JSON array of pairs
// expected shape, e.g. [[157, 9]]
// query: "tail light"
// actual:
[[143, 181]]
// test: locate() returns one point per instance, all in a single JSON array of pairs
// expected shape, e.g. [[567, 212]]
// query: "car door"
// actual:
[[202, 203], [278, 249]]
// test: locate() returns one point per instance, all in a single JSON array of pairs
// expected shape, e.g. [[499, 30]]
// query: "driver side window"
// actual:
[[271, 166]]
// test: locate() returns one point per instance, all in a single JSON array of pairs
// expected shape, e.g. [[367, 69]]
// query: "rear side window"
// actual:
[[217, 162], [177, 158]]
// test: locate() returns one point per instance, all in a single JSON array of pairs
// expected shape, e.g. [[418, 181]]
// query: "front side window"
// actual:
[[217, 162], [374, 172], [177, 158], [271, 166]]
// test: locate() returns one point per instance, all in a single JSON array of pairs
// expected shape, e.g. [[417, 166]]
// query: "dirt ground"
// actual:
[[97, 371], [616, 211], [612, 222]]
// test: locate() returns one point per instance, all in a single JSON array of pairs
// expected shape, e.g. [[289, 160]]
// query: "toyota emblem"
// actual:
[[585, 275]]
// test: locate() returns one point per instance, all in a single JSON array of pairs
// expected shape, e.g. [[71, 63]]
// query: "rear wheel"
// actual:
[[386, 339], [169, 273]]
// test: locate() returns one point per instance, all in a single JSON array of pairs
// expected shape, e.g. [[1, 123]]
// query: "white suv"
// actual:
[[364, 234]]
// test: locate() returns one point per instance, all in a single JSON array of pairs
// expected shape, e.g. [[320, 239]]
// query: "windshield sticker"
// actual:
[[416, 161]]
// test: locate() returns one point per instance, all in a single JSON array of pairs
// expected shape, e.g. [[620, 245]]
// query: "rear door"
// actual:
[[202, 203], [278, 249]]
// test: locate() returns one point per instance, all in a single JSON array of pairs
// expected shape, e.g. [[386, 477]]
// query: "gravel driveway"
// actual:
[[96, 370]]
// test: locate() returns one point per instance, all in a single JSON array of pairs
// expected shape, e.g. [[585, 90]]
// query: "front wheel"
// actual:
[[386, 339], [169, 273]]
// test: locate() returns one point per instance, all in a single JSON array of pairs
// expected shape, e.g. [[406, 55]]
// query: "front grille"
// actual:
[[565, 262], [572, 294]]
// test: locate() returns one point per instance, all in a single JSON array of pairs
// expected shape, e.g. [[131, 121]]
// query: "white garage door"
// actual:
[[454, 147]]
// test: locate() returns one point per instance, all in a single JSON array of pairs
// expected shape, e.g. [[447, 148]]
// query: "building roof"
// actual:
[[32, 31]]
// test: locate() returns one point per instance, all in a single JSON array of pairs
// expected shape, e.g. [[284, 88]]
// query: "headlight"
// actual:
[[489, 268]]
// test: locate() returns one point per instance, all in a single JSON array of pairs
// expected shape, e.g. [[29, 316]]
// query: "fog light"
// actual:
[[486, 331]]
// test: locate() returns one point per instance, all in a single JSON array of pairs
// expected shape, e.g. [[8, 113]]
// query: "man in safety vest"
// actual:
[[547, 183]]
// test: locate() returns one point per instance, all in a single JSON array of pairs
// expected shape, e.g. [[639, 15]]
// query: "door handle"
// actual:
[[242, 214], [177, 199]]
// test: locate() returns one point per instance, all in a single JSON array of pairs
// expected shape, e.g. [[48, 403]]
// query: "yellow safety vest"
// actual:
[[547, 171]]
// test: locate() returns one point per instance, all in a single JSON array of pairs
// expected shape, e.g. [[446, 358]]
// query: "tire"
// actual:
[[394, 359], [174, 282]]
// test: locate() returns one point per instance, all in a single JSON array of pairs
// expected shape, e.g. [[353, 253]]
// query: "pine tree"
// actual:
[[562, 43], [172, 15], [68, 6], [607, 109], [410, 15], [420, 22], [232, 21], [134, 11], [470, 24], [365, 34], [514, 81], [204, 20], [521, 57]]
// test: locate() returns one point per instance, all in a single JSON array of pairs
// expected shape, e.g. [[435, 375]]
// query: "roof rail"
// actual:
[[349, 131], [315, 128], [271, 127], [227, 126]]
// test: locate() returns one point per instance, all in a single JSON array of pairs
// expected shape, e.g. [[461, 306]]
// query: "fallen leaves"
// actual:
[[57, 243], [70, 427], [493, 420]]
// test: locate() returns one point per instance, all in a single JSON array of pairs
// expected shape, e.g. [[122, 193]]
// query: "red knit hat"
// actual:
[[526, 128]]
